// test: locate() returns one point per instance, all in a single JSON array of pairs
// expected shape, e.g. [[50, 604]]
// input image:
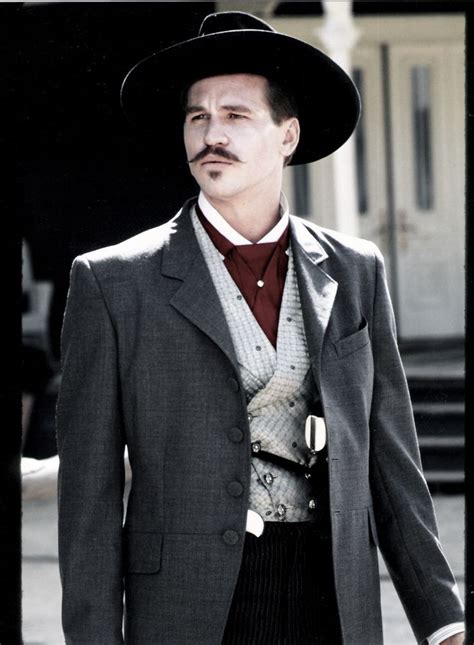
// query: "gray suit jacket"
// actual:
[[148, 361]]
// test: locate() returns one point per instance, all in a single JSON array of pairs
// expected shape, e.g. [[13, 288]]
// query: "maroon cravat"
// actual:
[[259, 271]]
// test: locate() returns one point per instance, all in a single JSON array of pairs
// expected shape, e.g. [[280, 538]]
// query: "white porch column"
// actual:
[[339, 35]]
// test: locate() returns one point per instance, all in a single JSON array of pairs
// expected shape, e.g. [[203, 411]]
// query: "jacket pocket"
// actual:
[[143, 551], [355, 341], [373, 526]]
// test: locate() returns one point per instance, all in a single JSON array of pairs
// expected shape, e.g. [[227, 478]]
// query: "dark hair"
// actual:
[[282, 105]]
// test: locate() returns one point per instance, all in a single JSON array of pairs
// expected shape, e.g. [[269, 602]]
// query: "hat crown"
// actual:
[[231, 21]]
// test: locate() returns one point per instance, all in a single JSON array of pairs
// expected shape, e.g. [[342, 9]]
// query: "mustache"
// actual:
[[217, 151]]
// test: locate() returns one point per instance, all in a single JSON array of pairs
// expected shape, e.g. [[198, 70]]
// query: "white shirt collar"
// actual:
[[225, 229]]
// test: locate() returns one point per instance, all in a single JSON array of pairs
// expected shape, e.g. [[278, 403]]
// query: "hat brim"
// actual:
[[327, 99]]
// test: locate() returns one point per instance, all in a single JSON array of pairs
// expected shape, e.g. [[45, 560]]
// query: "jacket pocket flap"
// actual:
[[143, 551], [355, 341]]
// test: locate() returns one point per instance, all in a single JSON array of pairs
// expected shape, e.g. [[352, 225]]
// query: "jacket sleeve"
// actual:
[[91, 471], [403, 509]]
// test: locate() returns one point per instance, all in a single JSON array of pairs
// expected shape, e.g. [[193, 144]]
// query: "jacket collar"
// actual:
[[306, 241]]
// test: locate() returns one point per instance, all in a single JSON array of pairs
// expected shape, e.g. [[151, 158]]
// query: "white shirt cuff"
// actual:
[[445, 632]]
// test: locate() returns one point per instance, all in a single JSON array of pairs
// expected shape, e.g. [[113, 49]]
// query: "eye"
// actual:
[[233, 116], [199, 117]]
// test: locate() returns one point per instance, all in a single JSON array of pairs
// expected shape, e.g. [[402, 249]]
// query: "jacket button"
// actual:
[[235, 489], [234, 384], [235, 434], [230, 537]]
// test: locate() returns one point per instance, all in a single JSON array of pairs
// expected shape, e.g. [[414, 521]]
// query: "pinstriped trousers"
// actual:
[[285, 589]]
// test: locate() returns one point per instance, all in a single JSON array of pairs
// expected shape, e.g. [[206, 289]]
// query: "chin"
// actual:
[[218, 188], [220, 195]]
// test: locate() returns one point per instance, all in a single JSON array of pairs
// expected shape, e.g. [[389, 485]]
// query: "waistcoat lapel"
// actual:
[[267, 375], [317, 290], [196, 298], [292, 356], [246, 333]]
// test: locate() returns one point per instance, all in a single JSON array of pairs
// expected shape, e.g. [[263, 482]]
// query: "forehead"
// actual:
[[248, 87]]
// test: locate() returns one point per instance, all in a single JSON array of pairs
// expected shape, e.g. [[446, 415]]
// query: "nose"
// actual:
[[215, 133]]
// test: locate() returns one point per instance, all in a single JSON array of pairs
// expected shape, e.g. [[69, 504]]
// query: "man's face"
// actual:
[[232, 143]]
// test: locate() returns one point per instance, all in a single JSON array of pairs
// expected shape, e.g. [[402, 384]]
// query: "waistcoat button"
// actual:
[[269, 478], [235, 489], [281, 510], [230, 537], [256, 446], [312, 504]]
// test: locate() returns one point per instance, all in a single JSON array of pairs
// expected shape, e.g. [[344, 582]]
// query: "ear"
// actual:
[[291, 136]]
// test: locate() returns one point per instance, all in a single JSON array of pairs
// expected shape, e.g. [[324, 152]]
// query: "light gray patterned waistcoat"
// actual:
[[279, 388]]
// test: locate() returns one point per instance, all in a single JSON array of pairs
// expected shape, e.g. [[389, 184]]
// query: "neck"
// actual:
[[252, 218]]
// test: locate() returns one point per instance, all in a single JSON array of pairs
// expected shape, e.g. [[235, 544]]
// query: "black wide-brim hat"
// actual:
[[233, 42]]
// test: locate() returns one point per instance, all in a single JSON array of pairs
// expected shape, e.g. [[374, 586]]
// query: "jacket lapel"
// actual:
[[196, 298], [317, 290]]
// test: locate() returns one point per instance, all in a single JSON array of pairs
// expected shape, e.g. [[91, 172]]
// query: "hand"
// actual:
[[39, 477], [457, 639]]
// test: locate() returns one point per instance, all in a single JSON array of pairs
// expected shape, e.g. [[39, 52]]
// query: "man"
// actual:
[[248, 360]]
